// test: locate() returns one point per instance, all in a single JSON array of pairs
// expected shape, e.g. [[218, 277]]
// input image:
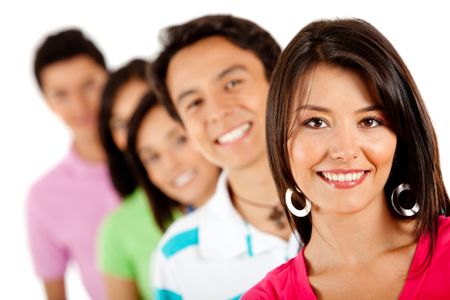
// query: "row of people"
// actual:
[[158, 178], [334, 182]]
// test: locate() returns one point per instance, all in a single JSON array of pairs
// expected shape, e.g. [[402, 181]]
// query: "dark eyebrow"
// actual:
[[218, 77], [323, 109], [314, 107], [230, 70], [370, 108], [184, 95]]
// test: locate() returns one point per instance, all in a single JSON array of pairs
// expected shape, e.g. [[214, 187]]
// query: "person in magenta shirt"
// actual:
[[67, 204], [355, 158]]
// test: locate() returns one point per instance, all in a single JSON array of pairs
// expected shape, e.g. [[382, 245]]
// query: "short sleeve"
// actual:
[[49, 254], [111, 255]]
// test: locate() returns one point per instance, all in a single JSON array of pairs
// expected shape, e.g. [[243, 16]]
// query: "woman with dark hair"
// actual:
[[120, 261], [131, 233], [167, 165], [121, 96], [355, 158]]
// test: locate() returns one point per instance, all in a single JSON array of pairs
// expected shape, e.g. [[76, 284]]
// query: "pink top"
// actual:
[[64, 210], [290, 280]]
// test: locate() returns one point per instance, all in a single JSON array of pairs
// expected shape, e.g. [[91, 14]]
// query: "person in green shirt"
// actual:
[[180, 180]]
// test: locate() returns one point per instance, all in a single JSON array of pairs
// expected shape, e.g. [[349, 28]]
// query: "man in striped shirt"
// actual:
[[213, 76]]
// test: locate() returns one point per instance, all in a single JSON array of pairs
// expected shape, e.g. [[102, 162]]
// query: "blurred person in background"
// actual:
[[130, 234], [66, 205]]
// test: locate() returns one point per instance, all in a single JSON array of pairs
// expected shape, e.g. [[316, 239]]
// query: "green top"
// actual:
[[127, 240]]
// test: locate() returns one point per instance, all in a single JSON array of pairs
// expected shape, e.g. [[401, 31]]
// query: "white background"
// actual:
[[32, 139]]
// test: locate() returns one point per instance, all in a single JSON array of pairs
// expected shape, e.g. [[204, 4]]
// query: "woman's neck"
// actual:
[[357, 237]]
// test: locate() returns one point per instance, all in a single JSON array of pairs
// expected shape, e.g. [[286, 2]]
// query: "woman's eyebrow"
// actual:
[[370, 108], [314, 107], [375, 107]]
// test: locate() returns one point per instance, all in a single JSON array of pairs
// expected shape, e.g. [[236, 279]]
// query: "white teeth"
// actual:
[[183, 178], [342, 177], [234, 135]]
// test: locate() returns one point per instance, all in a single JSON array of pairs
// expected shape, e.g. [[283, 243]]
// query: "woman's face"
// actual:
[[342, 148], [125, 103], [172, 162]]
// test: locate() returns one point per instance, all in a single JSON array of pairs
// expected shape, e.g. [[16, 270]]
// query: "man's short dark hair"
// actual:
[[64, 45], [241, 32]]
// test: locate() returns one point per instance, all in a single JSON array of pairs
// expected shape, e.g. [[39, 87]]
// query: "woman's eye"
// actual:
[[119, 125], [315, 123], [232, 84], [371, 122], [151, 159]]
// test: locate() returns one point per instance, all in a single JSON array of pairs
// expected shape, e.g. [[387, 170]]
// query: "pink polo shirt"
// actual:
[[64, 210], [290, 280]]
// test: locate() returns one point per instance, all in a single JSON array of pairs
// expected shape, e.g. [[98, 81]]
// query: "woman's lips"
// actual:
[[343, 179]]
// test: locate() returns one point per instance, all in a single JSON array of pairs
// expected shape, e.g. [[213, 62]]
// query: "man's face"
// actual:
[[219, 91], [73, 89]]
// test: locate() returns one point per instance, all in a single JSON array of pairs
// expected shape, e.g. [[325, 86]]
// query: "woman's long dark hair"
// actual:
[[354, 44], [120, 172], [162, 205]]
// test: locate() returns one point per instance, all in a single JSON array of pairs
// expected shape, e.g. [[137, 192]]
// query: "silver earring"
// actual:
[[405, 212], [297, 212]]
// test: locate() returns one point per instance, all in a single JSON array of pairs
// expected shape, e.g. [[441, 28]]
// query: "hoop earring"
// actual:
[[405, 212], [297, 212]]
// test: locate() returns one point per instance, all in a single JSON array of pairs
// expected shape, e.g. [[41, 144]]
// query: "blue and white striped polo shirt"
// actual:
[[213, 253]]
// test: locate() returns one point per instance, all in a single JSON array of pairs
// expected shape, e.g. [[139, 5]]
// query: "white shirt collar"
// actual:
[[223, 232]]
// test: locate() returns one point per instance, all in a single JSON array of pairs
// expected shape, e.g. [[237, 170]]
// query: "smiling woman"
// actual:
[[341, 147], [173, 175], [170, 160], [355, 157]]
